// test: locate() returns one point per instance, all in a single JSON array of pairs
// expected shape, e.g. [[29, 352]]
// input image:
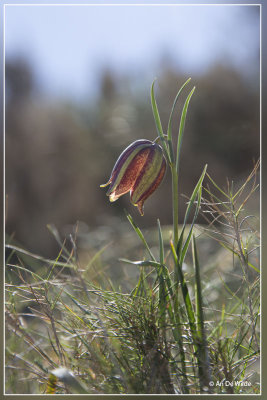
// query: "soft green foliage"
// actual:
[[187, 321]]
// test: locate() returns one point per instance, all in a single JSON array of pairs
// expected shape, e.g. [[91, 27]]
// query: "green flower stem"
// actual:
[[175, 204]]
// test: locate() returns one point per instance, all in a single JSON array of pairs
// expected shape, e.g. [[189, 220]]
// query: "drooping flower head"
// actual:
[[139, 170]]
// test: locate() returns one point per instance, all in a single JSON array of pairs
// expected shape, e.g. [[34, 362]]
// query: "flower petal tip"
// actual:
[[140, 207], [141, 210], [112, 197], [104, 184]]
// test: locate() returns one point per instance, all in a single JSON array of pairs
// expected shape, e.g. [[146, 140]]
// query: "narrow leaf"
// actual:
[[156, 112], [140, 234], [169, 130], [161, 245], [158, 122], [181, 128]]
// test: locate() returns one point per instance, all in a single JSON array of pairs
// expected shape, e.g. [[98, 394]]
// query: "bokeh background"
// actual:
[[77, 83]]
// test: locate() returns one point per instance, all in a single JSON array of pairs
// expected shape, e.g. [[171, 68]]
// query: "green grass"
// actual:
[[131, 342]]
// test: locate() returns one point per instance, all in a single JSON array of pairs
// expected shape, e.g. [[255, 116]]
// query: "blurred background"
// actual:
[[77, 86]]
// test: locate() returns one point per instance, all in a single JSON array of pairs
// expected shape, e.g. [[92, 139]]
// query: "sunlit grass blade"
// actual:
[[142, 288], [147, 263], [181, 128], [253, 267], [217, 187], [140, 234], [40, 258]]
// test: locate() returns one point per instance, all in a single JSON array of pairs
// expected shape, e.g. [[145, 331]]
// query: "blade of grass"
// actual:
[[46, 260], [146, 263], [140, 234]]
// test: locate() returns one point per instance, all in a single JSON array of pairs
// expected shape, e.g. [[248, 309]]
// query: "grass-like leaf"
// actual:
[[140, 234], [40, 258], [158, 122], [169, 129], [181, 128]]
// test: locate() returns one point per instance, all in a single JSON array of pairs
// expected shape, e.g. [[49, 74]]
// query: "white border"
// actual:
[[4, 194]]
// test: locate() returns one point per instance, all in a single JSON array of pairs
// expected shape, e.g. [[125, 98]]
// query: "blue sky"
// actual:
[[69, 45]]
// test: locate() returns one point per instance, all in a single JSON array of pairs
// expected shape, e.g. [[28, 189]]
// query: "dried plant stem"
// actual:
[[245, 269]]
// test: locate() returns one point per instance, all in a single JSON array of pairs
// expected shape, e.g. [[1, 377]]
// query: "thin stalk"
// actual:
[[185, 292], [177, 333], [175, 205], [166, 304], [245, 269], [202, 354]]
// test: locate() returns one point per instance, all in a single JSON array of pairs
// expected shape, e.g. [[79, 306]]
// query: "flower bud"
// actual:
[[139, 170]]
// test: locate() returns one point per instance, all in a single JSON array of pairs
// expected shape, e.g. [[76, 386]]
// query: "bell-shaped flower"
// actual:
[[139, 170]]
